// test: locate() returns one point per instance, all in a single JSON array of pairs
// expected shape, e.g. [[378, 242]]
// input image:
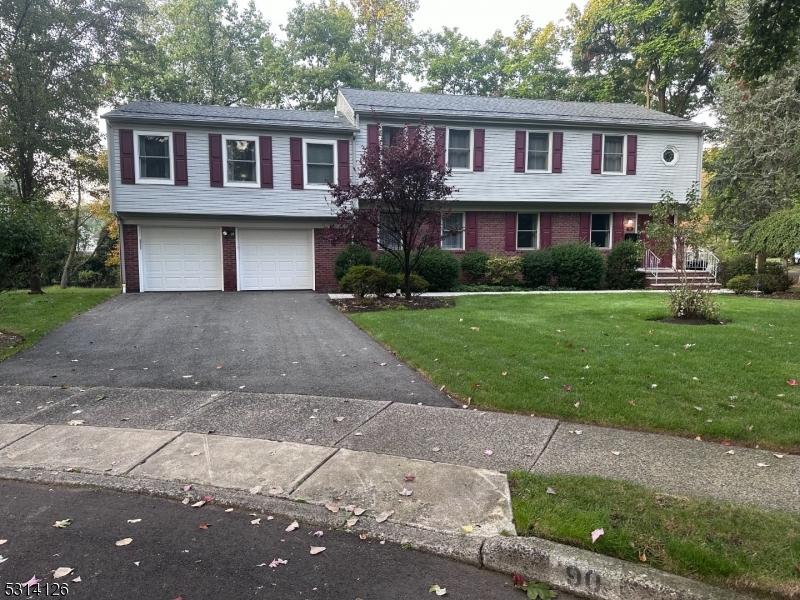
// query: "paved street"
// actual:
[[278, 342], [170, 556]]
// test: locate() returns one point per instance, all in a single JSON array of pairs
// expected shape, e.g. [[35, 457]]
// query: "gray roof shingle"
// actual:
[[511, 109], [146, 110]]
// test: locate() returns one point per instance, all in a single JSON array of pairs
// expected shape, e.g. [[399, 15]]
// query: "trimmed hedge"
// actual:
[[352, 256], [739, 265], [473, 265], [388, 263], [578, 266], [773, 278], [439, 268], [622, 265], [363, 279], [742, 284], [537, 267]]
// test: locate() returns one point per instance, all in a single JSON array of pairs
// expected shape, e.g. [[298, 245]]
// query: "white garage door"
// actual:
[[275, 259], [181, 259]]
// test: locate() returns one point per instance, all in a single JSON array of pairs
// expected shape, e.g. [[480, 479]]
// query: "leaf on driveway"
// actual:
[[440, 591], [61, 572], [134, 520], [615, 452], [488, 452], [729, 452], [409, 478], [277, 562], [196, 453], [405, 492], [208, 498], [198, 504], [468, 528], [228, 510], [778, 455], [338, 419], [204, 525], [596, 534], [332, 506], [435, 449], [293, 526], [3, 558], [317, 533], [77, 580], [31, 581], [255, 490], [359, 511], [317, 550], [186, 488], [275, 491], [62, 524], [256, 521], [75, 422], [351, 522], [124, 541], [762, 465], [3, 542], [384, 515]]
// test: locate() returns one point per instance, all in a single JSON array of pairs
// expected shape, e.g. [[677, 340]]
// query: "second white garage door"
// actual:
[[275, 259]]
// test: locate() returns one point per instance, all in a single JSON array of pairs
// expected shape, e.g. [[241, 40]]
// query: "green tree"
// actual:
[[776, 235], [532, 66]]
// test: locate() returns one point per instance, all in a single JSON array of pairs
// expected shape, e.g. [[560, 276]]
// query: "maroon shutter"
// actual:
[[265, 158], [618, 230], [296, 160], [545, 230], [472, 230], [519, 152], [215, 158], [343, 156], [372, 238], [597, 153], [180, 161], [372, 136], [558, 151], [480, 138], [632, 139], [511, 231], [127, 171], [586, 226], [439, 136]]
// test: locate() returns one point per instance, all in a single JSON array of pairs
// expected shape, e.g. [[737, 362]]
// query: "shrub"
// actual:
[[418, 284], [439, 268], [742, 284], [773, 278], [733, 267], [352, 256], [578, 266], [622, 265], [362, 280], [687, 302], [387, 263], [537, 267], [88, 278], [503, 270], [473, 265]]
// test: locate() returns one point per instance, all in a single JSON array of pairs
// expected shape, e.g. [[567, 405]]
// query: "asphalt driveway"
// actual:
[[279, 342]]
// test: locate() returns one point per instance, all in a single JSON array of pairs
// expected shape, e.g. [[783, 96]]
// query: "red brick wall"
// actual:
[[130, 240], [230, 283], [566, 227], [324, 258]]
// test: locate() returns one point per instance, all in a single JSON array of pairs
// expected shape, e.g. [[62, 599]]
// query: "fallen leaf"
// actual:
[[440, 591], [567, 388], [643, 556], [596, 534], [475, 328], [3, 542], [468, 528], [792, 382], [351, 522], [333, 507], [698, 408], [405, 492], [75, 422], [359, 511], [435, 449], [488, 452], [577, 405], [62, 524], [3, 558], [504, 373], [293, 526], [228, 510], [77, 580], [631, 402], [124, 542], [208, 498], [275, 491], [338, 419], [545, 378], [256, 521], [277, 562], [198, 504], [762, 465], [317, 550], [384, 515], [134, 520], [363, 536], [778, 455], [204, 525], [31, 581], [615, 452], [255, 490], [730, 452], [61, 572], [186, 501], [409, 478], [551, 491]]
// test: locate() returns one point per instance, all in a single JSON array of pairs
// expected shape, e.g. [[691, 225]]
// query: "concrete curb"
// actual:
[[580, 572]]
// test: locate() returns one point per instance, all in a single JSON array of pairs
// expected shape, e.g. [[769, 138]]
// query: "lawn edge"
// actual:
[[564, 568]]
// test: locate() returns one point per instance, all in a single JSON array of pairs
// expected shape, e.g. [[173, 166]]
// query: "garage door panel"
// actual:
[[181, 258], [275, 259]]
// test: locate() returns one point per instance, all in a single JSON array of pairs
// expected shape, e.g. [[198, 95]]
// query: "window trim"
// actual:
[[610, 230], [549, 168], [320, 186], [538, 229], [675, 152], [471, 148], [603, 171], [246, 138], [463, 231], [171, 157]]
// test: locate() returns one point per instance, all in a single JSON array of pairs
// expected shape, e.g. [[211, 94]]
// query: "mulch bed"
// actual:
[[783, 296], [679, 321], [350, 305], [9, 340]]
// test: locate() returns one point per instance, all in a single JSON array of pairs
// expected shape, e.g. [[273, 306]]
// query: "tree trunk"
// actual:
[[36, 284], [74, 247], [761, 262]]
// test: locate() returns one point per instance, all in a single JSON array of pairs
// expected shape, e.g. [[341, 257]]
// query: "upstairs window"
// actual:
[[601, 230], [153, 157], [527, 238], [241, 158], [453, 231], [613, 153], [459, 149], [389, 134], [538, 151], [320, 162]]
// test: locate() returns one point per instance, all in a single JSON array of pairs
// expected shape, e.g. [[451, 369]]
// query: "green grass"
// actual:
[[747, 549], [33, 316], [640, 374]]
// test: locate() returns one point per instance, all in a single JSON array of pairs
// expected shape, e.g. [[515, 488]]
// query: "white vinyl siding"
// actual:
[[180, 259], [274, 259]]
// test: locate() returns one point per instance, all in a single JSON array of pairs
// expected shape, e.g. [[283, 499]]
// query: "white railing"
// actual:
[[651, 263], [702, 260]]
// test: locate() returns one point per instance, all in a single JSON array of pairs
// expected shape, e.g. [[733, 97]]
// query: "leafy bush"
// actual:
[[622, 265], [352, 256], [473, 265], [418, 284], [742, 284], [439, 268], [578, 266], [88, 278], [687, 302], [537, 267], [503, 270], [773, 278], [733, 267], [362, 280], [387, 263]]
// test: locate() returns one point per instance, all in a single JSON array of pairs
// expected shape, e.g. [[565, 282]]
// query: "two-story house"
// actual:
[[227, 198]]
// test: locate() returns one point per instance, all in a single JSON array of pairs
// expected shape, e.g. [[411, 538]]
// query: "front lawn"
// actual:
[[751, 550], [32, 316], [601, 358]]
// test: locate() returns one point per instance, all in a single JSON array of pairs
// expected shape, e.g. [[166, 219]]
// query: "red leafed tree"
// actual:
[[401, 191]]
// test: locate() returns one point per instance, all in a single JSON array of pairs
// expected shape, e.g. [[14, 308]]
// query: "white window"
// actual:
[[670, 156], [389, 134], [319, 164], [153, 151], [388, 232], [539, 143], [527, 234], [613, 153], [453, 231], [240, 154], [459, 149], [601, 230]]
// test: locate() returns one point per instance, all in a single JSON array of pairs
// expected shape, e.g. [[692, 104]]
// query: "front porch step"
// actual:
[[669, 280]]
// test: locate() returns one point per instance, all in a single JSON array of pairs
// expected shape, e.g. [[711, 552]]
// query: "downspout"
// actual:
[[121, 241]]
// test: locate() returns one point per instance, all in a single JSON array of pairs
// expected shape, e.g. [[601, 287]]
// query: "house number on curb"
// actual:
[[590, 580]]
